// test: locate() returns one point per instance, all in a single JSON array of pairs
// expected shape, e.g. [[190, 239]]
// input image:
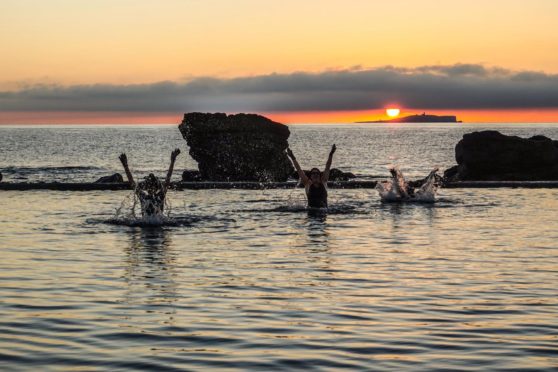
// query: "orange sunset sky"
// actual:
[[147, 61]]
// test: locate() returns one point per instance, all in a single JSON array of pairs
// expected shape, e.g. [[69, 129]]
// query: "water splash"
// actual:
[[427, 192], [390, 190], [296, 199], [127, 212], [397, 189]]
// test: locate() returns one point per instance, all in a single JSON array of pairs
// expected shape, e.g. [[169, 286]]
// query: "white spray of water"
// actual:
[[427, 192], [296, 199], [390, 190], [127, 214]]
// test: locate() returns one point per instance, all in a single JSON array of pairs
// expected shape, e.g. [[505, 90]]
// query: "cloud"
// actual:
[[460, 86]]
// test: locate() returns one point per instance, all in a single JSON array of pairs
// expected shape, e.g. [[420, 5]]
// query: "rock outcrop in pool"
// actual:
[[114, 178], [241, 147], [492, 156]]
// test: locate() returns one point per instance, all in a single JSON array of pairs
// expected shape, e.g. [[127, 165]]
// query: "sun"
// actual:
[[392, 112]]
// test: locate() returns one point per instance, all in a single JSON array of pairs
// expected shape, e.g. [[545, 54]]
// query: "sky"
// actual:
[[147, 61]]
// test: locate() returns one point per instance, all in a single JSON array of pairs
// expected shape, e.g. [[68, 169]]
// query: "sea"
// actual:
[[250, 280]]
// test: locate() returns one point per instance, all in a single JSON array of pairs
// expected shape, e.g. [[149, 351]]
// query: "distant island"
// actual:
[[424, 118]]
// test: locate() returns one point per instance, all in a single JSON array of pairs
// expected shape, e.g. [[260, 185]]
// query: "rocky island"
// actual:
[[423, 118]]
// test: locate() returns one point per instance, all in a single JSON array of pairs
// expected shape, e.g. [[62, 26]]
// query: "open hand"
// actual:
[[174, 154], [123, 158], [333, 148]]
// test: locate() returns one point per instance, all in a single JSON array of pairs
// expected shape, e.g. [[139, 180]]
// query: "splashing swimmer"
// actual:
[[399, 190], [150, 192], [316, 184]]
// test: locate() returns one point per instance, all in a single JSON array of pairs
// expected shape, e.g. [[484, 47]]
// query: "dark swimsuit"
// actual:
[[152, 203], [317, 196]]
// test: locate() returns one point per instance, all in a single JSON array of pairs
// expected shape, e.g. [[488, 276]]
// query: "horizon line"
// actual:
[[293, 123]]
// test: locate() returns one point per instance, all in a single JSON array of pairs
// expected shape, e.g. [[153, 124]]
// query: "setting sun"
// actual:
[[392, 112]]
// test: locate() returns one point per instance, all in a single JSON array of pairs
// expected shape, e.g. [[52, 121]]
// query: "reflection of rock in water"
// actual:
[[242, 147]]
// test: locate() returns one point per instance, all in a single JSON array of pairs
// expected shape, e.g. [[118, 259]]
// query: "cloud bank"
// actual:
[[460, 86]]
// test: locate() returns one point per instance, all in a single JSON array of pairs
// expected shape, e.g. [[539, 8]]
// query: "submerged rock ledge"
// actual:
[[91, 186]]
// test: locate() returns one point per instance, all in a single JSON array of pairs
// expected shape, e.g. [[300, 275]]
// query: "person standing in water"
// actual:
[[150, 192], [316, 184]]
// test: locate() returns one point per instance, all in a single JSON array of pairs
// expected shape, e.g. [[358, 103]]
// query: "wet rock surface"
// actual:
[[334, 175], [191, 175], [241, 147], [115, 178], [338, 175], [493, 156], [439, 181]]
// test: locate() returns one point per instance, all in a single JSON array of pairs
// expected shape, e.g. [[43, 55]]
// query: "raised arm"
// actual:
[[399, 182], [124, 160], [325, 175], [303, 177], [174, 154]]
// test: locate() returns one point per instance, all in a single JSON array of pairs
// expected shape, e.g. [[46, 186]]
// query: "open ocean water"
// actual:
[[248, 280]]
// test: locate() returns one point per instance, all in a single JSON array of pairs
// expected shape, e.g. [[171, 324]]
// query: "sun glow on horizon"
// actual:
[[392, 112]]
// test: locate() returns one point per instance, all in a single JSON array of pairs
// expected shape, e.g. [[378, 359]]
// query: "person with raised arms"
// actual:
[[315, 185], [151, 192]]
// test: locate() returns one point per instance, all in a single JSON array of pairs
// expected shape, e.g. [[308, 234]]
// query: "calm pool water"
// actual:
[[250, 281]]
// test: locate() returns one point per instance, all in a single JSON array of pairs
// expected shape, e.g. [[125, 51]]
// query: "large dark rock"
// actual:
[[241, 147], [491, 156], [115, 178]]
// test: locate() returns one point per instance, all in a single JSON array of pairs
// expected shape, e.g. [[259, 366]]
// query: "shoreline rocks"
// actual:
[[492, 156], [240, 147], [115, 178], [191, 175], [335, 174]]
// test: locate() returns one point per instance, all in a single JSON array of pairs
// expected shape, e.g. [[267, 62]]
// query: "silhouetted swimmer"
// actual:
[[401, 190], [316, 184], [151, 192]]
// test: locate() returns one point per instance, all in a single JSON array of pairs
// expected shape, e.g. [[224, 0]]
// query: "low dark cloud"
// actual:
[[460, 86]]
